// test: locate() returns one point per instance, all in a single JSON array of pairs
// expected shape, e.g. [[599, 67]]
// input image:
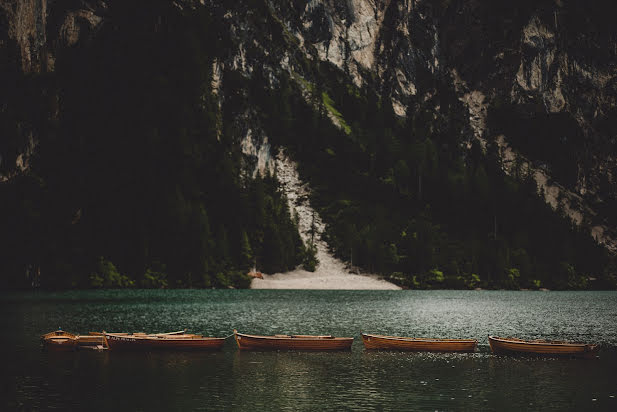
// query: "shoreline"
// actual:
[[322, 280]]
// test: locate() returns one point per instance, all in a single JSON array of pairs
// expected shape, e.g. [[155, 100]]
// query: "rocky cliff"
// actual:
[[538, 80], [33, 33]]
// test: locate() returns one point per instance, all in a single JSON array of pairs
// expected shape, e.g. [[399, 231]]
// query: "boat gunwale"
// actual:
[[167, 338], [295, 337], [180, 332], [61, 334], [517, 341], [428, 340]]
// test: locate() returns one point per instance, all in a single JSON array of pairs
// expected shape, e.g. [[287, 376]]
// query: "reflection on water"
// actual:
[[310, 380]]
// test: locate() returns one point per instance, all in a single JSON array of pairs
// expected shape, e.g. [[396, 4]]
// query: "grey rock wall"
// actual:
[[538, 58]]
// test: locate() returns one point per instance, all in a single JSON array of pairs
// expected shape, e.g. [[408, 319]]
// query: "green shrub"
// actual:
[[465, 281], [472, 281], [154, 280], [434, 278], [310, 261], [513, 276], [107, 276], [221, 280], [239, 280]]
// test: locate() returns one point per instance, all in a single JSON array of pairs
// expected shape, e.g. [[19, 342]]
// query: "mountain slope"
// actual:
[[424, 127]]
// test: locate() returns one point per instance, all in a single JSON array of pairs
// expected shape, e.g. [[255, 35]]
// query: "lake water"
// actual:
[[361, 380]]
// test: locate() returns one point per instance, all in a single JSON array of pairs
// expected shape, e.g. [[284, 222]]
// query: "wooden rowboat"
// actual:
[[540, 347], [160, 341], [418, 344], [180, 332], [293, 342], [59, 340]]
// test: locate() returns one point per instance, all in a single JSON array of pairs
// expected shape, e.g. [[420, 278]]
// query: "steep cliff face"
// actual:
[[34, 31], [538, 82], [391, 46], [33, 34], [553, 106], [536, 62], [25, 23]]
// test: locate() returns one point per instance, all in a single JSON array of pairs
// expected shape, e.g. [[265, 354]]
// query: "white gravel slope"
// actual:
[[331, 272]]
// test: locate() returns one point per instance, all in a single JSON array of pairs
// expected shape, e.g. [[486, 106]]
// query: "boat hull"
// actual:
[[190, 342], [60, 345], [512, 346], [376, 342], [293, 342]]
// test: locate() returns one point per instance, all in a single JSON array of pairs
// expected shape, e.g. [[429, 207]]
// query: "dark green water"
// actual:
[[361, 380]]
